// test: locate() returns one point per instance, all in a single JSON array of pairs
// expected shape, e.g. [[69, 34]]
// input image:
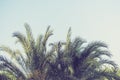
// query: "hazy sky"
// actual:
[[89, 19]]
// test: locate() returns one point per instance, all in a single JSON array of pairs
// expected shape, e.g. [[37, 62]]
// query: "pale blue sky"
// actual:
[[89, 19]]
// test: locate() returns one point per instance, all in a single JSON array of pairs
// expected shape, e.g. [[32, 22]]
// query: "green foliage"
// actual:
[[70, 60]]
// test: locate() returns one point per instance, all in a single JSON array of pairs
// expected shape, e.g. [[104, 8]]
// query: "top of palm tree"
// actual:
[[65, 60]]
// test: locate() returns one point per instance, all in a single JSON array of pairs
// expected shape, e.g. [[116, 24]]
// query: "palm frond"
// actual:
[[99, 53], [22, 39], [68, 40], [39, 43], [106, 74], [48, 33], [76, 46], [11, 67], [7, 75], [7, 50], [108, 63], [90, 48], [15, 55], [30, 38]]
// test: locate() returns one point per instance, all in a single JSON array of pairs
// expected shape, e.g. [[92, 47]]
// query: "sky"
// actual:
[[93, 20]]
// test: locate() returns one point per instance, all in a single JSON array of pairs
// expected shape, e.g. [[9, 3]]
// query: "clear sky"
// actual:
[[89, 19]]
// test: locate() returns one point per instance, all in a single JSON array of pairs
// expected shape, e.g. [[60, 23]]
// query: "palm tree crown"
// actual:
[[69, 60]]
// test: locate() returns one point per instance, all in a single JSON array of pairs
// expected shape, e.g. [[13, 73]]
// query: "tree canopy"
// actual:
[[66, 60]]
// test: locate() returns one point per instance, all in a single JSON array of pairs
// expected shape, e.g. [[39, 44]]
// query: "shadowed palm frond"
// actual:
[[10, 67], [98, 53], [5, 75], [90, 48], [104, 75], [15, 55], [108, 63]]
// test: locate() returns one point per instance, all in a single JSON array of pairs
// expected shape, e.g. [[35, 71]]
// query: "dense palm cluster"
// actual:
[[69, 60]]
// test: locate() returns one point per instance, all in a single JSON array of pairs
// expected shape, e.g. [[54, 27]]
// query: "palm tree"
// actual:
[[34, 65], [79, 60], [69, 60]]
